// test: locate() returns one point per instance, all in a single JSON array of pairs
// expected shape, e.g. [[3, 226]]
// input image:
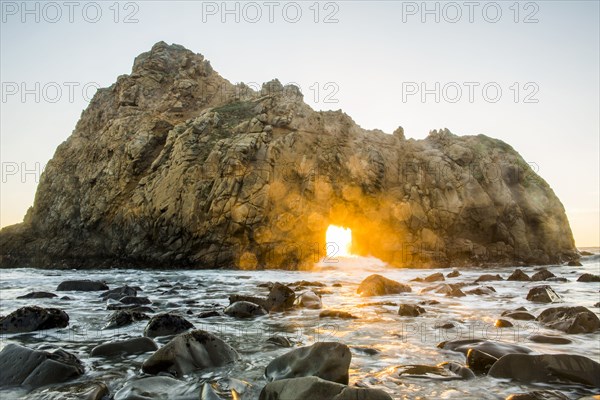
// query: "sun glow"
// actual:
[[338, 241]]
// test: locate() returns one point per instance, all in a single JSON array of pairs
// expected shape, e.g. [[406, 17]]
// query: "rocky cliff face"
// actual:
[[174, 166]]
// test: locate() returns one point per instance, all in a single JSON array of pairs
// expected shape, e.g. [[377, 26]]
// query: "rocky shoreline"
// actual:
[[171, 347]]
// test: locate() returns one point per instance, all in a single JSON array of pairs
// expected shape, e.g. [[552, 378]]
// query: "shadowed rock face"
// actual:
[[174, 165]]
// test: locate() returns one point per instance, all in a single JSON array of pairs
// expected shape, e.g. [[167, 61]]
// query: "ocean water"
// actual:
[[398, 340]]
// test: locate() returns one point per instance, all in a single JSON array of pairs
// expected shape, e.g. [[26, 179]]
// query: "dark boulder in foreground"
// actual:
[[188, 352], [570, 319], [314, 388], [22, 366], [479, 361], [33, 318], [377, 285], [244, 309], [37, 295], [326, 360], [84, 285], [543, 294], [548, 368], [129, 346], [167, 324]]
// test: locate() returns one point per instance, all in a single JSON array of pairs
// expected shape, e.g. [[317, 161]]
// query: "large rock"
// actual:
[[543, 294], [315, 388], [119, 293], [570, 319], [310, 299], [377, 285], [167, 324], [244, 309], [33, 318], [188, 352], [37, 295], [547, 368], [326, 360], [494, 349], [519, 275], [84, 285], [124, 347], [589, 278], [173, 165], [22, 366], [280, 298]]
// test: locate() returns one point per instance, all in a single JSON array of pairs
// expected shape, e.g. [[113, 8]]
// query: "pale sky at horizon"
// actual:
[[369, 56]]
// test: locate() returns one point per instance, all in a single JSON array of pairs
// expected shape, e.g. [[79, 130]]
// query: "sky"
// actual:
[[524, 72]]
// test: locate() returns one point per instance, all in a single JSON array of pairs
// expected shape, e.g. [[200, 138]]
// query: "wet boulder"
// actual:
[[188, 352], [37, 295], [450, 290], [84, 285], [326, 360], [312, 387], [542, 275], [244, 309], [123, 347], [445, 371], [252, 299], [570, 319], [280, 341], [453, 274], [33, 318], [479, 361], [167, 324], [495, 349], [122, 318], [410, 310], [437, 277], [119, 293], [377, 285], [547, 368], [519, 275], [310, 299], [280, 298], [589, 278], [481, 290], [22, 366], [519, 315], [543, 294], [336, 314], [502, 323]]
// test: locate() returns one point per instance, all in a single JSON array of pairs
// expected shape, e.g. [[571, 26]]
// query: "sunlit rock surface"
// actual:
[[175, 166]]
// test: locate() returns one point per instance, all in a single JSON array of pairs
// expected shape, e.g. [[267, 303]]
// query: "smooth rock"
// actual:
[[22, 366], [314, 388], [85, 285], [38, 295], [157, 388], [446, 371], [310, 299], [377, 285], [549, 339], [123, 347], [167, 324], [438, 276], [519, 275], [410, 310], [520, 315], [543, 294], [495, 349], [135, 300], [280, 341], [245, 309], [208, 314], [261, 301], [570, 319], [547, 368], [326, 360], [33, 318], [188, 352], [280, 297], [502, 323]]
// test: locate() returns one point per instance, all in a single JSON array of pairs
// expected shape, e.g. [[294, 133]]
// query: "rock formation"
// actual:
[[174, 166]]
